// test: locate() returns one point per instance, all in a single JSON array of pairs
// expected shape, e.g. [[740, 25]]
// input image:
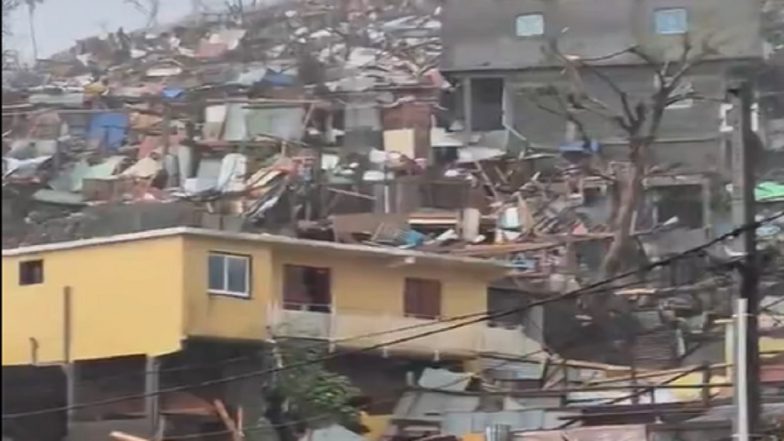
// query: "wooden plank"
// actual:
[[227, 421], [504, 248], [655, 374], [122, 436]]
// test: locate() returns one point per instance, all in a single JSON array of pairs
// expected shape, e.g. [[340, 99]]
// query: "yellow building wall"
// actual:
[[219, 316], [376, 284], [126, 299], [376, 425], [146, 296], [359, 283]]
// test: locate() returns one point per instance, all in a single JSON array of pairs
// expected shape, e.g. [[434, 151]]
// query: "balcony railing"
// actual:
[[346, 328]]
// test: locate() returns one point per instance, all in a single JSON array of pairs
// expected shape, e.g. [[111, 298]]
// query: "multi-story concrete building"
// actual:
[[499, 51]]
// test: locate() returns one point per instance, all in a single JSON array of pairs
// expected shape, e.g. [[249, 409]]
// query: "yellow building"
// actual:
[[146, 293]]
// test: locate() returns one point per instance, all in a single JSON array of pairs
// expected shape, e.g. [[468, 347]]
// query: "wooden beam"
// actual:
[[655, 374], [122, 436], [230, 424]]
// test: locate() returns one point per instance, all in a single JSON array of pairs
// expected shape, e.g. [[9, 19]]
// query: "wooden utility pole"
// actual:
[[743, 210]]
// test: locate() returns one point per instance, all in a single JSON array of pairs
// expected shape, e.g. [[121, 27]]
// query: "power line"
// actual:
[[257, 427], [664, 262], [484, 317], [229, 361], [575, 342], [193, 367]]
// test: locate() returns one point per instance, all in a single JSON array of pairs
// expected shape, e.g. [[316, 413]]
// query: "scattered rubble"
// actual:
[[324, 120]]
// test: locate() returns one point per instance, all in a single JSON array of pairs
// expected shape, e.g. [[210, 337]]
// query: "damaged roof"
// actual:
[[264, 238]]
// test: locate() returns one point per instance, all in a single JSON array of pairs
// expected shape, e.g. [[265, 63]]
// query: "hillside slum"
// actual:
[[332, 122]]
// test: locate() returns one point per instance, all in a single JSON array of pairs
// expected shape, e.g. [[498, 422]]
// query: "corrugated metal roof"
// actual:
[[672, 242], [444, 380], [334, 433], [772, 373], [502, 369], [460, 423], [431, 405], [656, 350], [602, 397], [770, 411], [599, 433]]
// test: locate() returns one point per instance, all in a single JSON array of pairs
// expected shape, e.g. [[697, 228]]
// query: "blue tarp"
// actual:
[[579, 147], [172, 93], [413, 238], [109, 128], [279, 79]]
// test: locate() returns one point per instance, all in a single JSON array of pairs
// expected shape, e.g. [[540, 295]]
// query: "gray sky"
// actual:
[[58, 23]]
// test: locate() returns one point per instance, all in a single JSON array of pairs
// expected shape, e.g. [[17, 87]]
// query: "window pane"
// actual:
[[31, 272], [529, 25], [238, 274], [671, 21], [216, 274]]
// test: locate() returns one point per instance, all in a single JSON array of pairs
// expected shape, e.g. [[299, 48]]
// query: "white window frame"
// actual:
[[724, 116], [727, 124], [225, 291], [656, 15], [529, 34]]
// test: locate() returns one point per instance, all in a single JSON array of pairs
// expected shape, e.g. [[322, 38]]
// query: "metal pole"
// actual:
[[68, 367], [744, 213], [741, 372], [152, 401], [468, 111]]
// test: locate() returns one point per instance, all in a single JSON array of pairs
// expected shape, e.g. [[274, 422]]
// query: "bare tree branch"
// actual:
[[148, 8], [640, 121], [622, 95], [570, 115], [565, 111], [624, 119]]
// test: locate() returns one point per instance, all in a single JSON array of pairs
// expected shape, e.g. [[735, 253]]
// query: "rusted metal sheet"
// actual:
[[772, 373], [599, 433]]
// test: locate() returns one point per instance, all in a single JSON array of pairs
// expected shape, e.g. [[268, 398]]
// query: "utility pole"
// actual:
[[69, 368], [742, 400], [747, 388]]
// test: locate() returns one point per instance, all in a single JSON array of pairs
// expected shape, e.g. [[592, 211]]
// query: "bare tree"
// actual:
[[149, 8], [773, 22], [31, 5], [638, 118], [8, 7]]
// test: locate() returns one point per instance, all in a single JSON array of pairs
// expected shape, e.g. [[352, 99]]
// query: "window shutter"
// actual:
[[411, 298], [422, 298], [431, 298]]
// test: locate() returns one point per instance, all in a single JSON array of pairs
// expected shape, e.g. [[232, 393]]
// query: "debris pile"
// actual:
[[316, 119], [321, 120], [331, 121]]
